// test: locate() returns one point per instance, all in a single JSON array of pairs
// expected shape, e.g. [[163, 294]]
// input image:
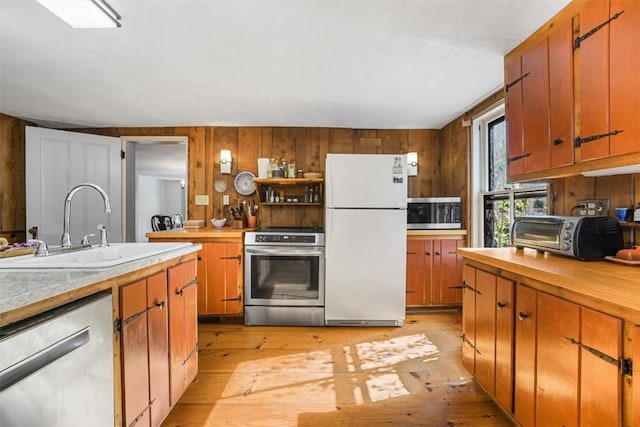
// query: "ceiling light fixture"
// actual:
[[84, 13]]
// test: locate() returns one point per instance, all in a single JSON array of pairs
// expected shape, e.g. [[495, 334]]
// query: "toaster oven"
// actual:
[[584, 238]]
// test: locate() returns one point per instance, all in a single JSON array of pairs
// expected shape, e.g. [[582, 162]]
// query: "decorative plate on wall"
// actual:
[[220, 185], [243, 183]]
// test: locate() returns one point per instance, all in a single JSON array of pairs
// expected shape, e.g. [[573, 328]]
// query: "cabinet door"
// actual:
[[504, 343], [415, 272], [134, 343], [202, 279], [525, 357], [224, 286], [561, 95], [469, 318], [557, 366], [182, 326], [600, 382], [594, 80], [158, 347], [447, 275], [513, 112], [486, 330], [625, 78], [535, 107]]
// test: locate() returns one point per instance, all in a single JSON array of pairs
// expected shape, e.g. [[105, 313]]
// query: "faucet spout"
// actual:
[[66, 238]]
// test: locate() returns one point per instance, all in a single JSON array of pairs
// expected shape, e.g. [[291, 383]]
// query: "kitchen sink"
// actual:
[[94, 257]]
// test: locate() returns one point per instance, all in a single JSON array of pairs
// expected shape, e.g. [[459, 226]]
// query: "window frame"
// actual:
[[479, 185]]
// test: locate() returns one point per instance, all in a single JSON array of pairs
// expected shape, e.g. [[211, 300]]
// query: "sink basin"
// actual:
[[96, 257]]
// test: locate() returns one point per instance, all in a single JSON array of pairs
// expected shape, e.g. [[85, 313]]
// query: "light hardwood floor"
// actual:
[[328, 376]]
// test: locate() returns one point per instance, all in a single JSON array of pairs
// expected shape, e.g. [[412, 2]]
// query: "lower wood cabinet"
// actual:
[[220, 269], [487, 317], [145, 351], [545, 360], [183, 327], [434, 272]]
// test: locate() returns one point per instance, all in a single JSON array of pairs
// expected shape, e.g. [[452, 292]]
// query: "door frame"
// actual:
[[128, 197]]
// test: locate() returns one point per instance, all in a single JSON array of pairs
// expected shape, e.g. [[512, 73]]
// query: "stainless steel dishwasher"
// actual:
[[56, 369]]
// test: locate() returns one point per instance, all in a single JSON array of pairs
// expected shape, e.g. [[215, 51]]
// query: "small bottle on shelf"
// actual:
[[306, 194], [316, 195]]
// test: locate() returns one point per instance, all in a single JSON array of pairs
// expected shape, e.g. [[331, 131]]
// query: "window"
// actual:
[[497, 201]]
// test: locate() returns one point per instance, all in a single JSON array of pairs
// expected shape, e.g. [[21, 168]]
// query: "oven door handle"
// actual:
[[284, 252]]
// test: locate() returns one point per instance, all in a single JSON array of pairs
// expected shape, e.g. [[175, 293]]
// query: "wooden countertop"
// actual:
[[199, 233], [601, 285]]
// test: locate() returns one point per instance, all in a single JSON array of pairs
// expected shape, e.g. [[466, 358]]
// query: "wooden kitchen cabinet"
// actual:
[[183, 327], [220, 269], [539, 98], [558, 381], [487, 313], [557, 363], [434, 272], [609, 82], [145, 351]]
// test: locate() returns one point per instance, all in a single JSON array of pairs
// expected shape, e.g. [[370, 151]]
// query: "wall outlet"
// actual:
[[202, 199], [225, 200], [593, 207]]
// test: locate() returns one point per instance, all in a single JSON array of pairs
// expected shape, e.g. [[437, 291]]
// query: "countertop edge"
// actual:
[[21, 290], [611, 288]]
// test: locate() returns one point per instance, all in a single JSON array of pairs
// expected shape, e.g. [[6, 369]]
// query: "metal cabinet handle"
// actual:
[[501, 305], [558, 141], [39, 360], [523, 315]]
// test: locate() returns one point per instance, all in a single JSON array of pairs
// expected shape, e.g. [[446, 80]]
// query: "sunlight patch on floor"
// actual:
[[369, 373], [377, 354]]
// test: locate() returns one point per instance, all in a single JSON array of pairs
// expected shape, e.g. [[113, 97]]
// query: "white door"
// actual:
[[56, 161]]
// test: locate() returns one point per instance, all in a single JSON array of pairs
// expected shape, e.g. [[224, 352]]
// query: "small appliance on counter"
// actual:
[[583, 237], [433, 213]]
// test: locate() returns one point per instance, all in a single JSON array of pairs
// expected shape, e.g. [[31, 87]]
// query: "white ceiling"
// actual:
[[338, 63]]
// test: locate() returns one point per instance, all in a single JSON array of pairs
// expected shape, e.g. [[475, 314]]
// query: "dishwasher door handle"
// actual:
[[19, 371]]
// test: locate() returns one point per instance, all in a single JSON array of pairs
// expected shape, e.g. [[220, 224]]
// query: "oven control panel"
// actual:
[[285, 238]]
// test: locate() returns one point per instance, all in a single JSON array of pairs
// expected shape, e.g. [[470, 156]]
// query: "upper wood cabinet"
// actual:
[[609, 79], [540, 104], [591, 40]]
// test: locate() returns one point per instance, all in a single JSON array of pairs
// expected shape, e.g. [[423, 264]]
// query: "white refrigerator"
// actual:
[[365, 239]]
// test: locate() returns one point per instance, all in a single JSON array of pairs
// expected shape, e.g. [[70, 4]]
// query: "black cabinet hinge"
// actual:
[[579, 141], [579, 40], [122, 154], [509, 85], [625, 365]]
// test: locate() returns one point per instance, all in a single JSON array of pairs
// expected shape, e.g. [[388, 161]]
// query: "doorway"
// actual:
[[155, 180]]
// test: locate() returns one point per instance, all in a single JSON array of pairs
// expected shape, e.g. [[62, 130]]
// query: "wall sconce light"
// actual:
[[84, 13], [225, 161], [412, 164]]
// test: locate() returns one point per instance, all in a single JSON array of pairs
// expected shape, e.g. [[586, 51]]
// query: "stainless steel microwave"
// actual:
[[428, 213]]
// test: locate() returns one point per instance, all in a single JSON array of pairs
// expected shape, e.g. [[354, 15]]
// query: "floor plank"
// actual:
[[333, 376]]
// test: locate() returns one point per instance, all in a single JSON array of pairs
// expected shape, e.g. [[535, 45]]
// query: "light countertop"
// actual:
[[21, 291]]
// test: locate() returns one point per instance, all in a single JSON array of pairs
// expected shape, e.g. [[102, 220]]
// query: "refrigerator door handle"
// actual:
[[327, 234]]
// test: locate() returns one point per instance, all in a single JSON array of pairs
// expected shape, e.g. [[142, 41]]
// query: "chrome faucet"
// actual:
[[66, 238]]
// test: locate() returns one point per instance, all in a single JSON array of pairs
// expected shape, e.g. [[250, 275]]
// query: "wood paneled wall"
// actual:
[[12, 178], [306, 146]]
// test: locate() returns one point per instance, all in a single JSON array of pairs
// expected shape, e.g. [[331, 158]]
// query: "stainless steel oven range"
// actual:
[[284, 277]]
